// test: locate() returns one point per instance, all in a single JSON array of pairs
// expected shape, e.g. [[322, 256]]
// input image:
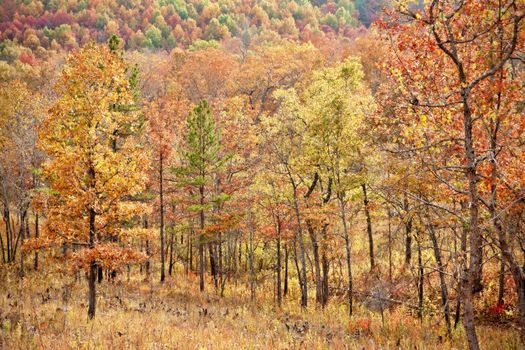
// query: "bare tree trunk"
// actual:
[[161, 229], [234, 255], [201, 241], [304, 286], [501, 281], [326, 270], [8, 233], [148, 253], [493, 204], [2, 246], [408, 232], [213, 263], [348, 248], [189, 252], [240, 254], [317, 263], [170, 268], [100, 274], [520, 290], [442, 280], [22, 237], [296, 263], [420, 283], [141, 266], [7, 218], [473, 279], [517, 271], [252, 270], [220, 261], [278, 268], [389, 245], [285, 287], [368, 227], [92, 267], [462, 267], [37, 233]]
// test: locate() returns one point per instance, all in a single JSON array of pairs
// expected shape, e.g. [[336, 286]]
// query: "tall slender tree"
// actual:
[[200, 161]]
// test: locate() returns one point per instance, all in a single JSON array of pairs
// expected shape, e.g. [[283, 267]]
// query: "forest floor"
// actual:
[[49, 311]]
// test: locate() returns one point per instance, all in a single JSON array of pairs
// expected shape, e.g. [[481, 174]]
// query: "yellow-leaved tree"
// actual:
[[320, 135], [97, 162]]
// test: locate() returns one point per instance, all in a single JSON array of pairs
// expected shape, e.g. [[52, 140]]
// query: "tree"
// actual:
[[269, 68], [283, 143], [442, 58], [335, 105], [21, 111], [92, 136], [200, 160], [163, 113]]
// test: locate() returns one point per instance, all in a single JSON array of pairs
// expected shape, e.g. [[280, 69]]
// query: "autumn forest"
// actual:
[[262, 174]]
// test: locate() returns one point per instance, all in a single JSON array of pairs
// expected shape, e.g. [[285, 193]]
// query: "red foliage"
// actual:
[[27, 58], [361, 326], [499, 309], [330, 7]]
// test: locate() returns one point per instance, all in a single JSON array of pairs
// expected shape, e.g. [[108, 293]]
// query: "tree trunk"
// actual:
[[213, 263], [37, 233], [317, 263], [189, 251], [220, 261], [468, 312], [7, 218], [442, 280], [252, 271], [296, 263], [389, 245], [520, 290], [348, 253], [501, 281], [22, 237], [100, 274], [92, 267], [408, 231], [517, 271], [278, 268], [148, 253], [201, 241], [326, 270], [161, 199], [285, 286], [170, 268], [420, 282], [462, 268], [368, 227], [473, 279], [304, 286], [2, 246], [408, 241]]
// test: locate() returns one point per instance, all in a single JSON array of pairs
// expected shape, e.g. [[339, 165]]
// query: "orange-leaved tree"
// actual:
[[97, 162], [456, 95]]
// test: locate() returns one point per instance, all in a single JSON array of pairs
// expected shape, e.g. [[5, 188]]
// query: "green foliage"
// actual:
[[204, 45], [320, 126], [202, 141], [331, 20], [114, 43], [154, 37]]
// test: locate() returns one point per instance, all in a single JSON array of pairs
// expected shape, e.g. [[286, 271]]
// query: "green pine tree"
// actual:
[[201, 160]]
